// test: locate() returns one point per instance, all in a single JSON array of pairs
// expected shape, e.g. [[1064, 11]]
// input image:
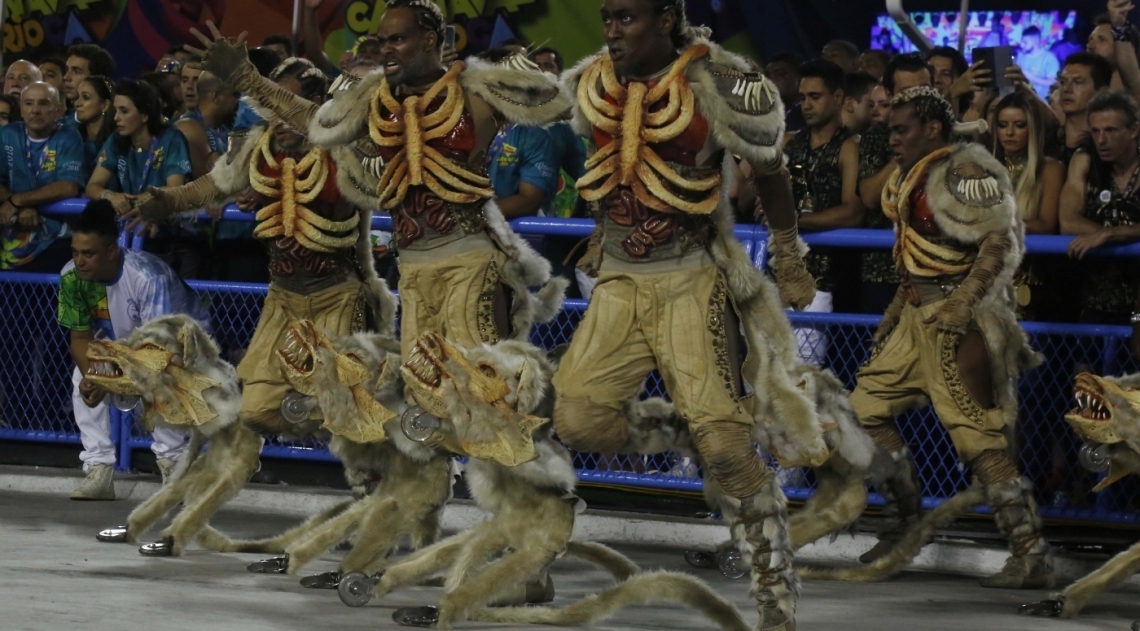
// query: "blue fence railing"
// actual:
[[35, 399]]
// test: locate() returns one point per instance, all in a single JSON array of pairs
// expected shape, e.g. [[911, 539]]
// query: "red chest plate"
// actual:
[[457, 145], [681, 150], [329, 194], [921, 218]]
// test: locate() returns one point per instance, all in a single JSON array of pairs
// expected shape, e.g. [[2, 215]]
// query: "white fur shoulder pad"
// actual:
[[742, 106], [344, 118], [527, 97], [570, 80], [973, 194]]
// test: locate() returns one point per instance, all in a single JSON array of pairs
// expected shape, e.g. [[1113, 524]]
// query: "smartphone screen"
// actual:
[[449, 37]]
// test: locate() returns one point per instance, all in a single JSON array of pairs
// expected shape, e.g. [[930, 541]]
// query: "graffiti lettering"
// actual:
[[468, 8], [34, 23], [27, 34]]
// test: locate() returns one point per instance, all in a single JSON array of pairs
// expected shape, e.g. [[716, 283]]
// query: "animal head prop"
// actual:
[[173, 365], [1108, 413], [485, 396], [344, 374]]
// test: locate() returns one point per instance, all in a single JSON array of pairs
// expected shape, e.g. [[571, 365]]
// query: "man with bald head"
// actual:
[[20, 75], [41, 162]]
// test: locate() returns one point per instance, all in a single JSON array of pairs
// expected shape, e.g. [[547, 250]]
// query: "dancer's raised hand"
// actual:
[[222, 56]]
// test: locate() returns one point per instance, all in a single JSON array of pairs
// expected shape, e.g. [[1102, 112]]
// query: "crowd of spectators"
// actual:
[[69, 130]]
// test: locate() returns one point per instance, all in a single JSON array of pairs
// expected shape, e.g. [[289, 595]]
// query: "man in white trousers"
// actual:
[[106, 292]]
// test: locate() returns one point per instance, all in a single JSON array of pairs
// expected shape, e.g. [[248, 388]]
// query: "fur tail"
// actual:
[[603, 557], [641, 589], [908, 547], [212, 539]]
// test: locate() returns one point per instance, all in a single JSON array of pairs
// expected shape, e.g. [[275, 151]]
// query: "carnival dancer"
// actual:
[[950, 337], [662, 107], [321, 265], [464, 273]]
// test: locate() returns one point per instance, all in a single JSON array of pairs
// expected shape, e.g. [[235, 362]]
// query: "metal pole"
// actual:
[[963, 20], [296, 26], [895, 8]]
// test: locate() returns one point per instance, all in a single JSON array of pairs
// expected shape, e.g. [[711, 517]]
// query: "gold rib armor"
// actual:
[[913, 252], [628, 160], [418, 164], [297, 184]]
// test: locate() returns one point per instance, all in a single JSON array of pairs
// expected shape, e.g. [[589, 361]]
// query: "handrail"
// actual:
[[859, 238]]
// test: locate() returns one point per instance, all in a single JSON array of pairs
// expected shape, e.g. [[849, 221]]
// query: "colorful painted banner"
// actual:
[[138, 32]]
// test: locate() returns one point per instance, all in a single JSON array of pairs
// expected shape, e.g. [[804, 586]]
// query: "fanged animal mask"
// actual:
[[487, 395], [150, 365], [316, 365], [1105, 407]]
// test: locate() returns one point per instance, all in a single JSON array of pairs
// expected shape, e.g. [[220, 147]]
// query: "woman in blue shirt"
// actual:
[[95, 117], [144, 151]]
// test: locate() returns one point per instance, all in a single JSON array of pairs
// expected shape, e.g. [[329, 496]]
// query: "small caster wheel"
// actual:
[[355, 588], [118, 534], [162, 548], [700, 558], [1046, 609], [274, 565], [731, 564], [327, 580], [416, 616]]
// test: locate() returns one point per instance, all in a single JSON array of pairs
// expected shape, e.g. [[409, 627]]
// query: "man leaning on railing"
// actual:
[[42, 163]]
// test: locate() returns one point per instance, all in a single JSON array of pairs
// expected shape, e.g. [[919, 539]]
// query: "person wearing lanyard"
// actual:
[[42, 163], [144, 151]]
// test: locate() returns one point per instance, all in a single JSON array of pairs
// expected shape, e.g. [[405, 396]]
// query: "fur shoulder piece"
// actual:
[[526, 97], [344, 118], [231, 173], [971, 195], [355, 176], [742, 106], [570, 80]]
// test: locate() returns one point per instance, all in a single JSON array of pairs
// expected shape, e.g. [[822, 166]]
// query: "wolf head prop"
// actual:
[[173, 365], [1107, 412], [489, 397], [348, 375]]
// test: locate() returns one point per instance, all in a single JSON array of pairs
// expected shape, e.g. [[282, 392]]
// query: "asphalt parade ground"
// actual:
[[55, 576]]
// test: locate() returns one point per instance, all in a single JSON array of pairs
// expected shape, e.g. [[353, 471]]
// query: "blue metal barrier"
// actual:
[[35, 401]]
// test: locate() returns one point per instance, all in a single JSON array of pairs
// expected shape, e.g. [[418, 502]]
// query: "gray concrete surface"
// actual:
[[55, 576]]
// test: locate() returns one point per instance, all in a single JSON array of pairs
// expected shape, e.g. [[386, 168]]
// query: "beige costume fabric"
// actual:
[[917, 366], [338, 310], [453, 297], [671, 321]]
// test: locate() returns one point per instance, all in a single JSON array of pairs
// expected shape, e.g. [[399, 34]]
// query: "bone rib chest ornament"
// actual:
[[412, 127], [294, 185]]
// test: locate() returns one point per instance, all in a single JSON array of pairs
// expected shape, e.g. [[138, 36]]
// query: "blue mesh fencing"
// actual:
[[35, 400]]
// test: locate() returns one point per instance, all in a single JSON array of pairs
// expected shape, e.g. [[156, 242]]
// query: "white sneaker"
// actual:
[[99, 485], [166, 468]]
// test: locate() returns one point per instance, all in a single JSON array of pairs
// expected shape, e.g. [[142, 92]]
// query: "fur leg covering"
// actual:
[[902, 492], [642, 589], [603, 557], [1118, 568], [1030, 565], [909, 546], [212, 539], [774, 585], [839, 499]]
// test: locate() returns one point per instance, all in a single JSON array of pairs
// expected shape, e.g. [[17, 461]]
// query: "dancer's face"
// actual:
[[911, 139], [408, 53], [638, 37]]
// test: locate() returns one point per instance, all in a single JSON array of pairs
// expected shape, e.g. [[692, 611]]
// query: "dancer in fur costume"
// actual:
[[464, 273], [950, 338], [320, 255], [321, 265], [663, 107]]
